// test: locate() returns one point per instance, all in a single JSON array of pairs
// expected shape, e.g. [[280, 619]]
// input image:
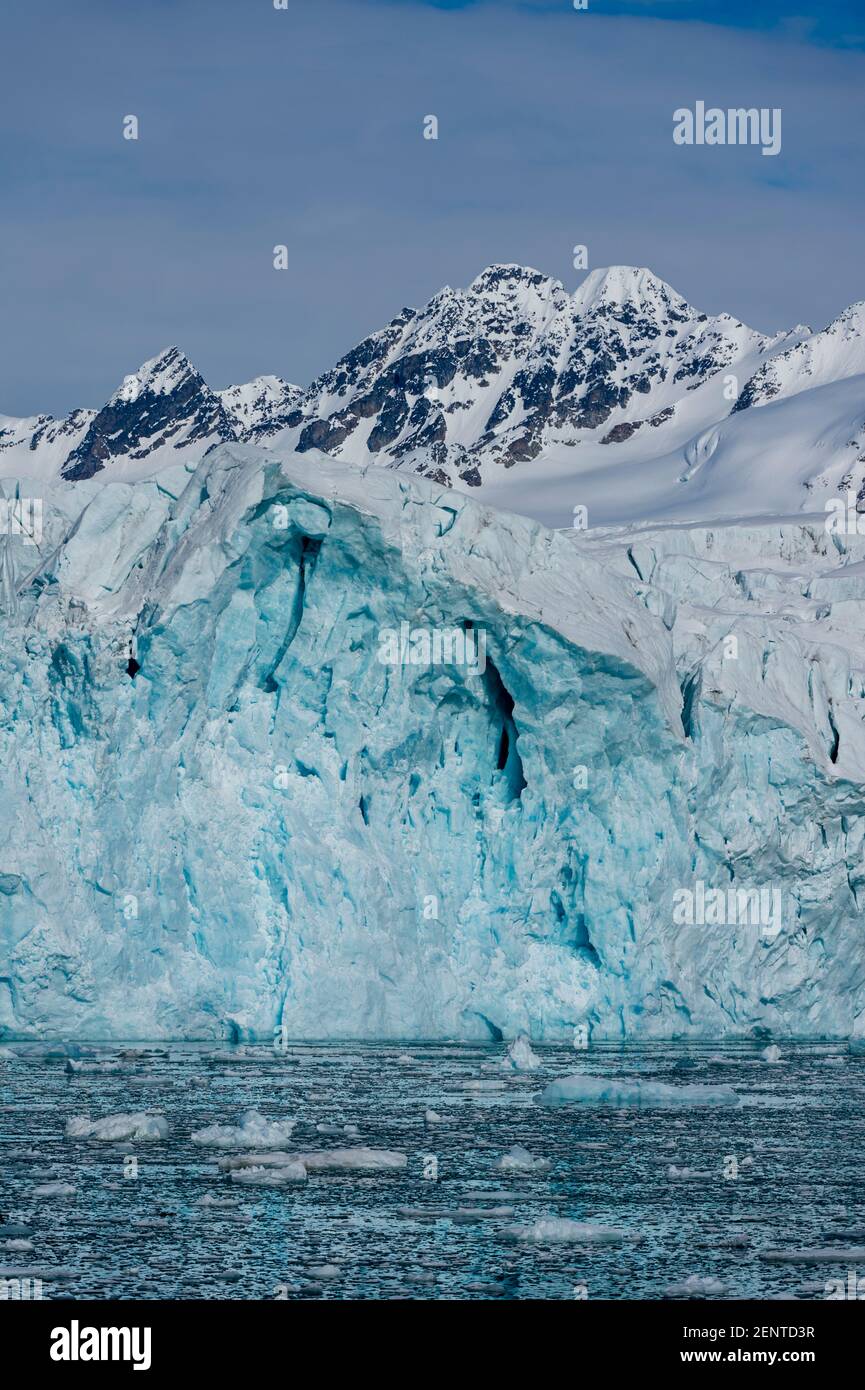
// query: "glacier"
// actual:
[[226, 817]]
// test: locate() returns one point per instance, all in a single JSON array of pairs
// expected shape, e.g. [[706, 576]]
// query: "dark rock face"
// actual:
[[169, 404]]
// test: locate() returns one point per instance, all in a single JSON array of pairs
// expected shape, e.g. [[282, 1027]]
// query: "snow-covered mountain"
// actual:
[[514, 367], [620, 397]]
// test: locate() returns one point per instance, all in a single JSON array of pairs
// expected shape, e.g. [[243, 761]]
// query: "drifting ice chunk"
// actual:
[[460, 1215], [270, 1177], [253, 1132], [559, 1230], [695, 1286], [54, 1189], [73, 1067], [140, 1126], [833, 1254], [771, 1053], [626, 1093], [520, 1056], [322, 1160], [519, 1160]]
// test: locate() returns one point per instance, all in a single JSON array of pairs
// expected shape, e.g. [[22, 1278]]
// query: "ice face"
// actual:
[[236, 809]]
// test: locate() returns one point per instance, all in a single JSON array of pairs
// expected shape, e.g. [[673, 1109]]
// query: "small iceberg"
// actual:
[[518, 1160], [253, 1132], [558, 1230], [696, 1286], [360, 1160], [140, 1126], [628, 1093], [73, 1067], [771, 1053], [833, 1254], [54, 1189], [521, 1057], [259, 1176]]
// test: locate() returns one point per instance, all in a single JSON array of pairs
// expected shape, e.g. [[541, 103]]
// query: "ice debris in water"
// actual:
[[771, 1053], [321, 1160], [519, 1160], [628, 1092], [556, 1230], [459, 1215], [258, 1176], [521, 1057], [695, 1286], [253, 1132], [833, 1254], [54, 1189], [103, 1068], [140, 1126]]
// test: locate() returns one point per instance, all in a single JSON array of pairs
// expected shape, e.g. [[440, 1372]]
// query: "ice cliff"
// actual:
[[225, 814]]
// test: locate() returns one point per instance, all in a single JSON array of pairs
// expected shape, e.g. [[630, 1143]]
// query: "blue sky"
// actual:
[[304, 127]]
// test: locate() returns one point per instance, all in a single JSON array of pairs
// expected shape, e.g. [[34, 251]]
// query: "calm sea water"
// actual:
[[442, 1228]]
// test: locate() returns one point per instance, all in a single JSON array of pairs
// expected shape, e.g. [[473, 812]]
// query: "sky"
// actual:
[[303, 127]]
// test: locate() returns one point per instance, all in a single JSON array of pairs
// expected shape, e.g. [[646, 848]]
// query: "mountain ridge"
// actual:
[[486, 386]]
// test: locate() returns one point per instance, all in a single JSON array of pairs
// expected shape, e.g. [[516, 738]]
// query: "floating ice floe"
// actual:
[[432, 1118], [519, 1160], [521, 1057], [257, 1175], [54, 1189], [218, 1202], [73, 1067], [628, 1092], [771, 1053], [360, 1159], [350, 1130], [556, 1230], [459, 1215], [831, 1254], [696, 1286], [140, 1126], [19, 1244], [253, 1132], [482, 1085]]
